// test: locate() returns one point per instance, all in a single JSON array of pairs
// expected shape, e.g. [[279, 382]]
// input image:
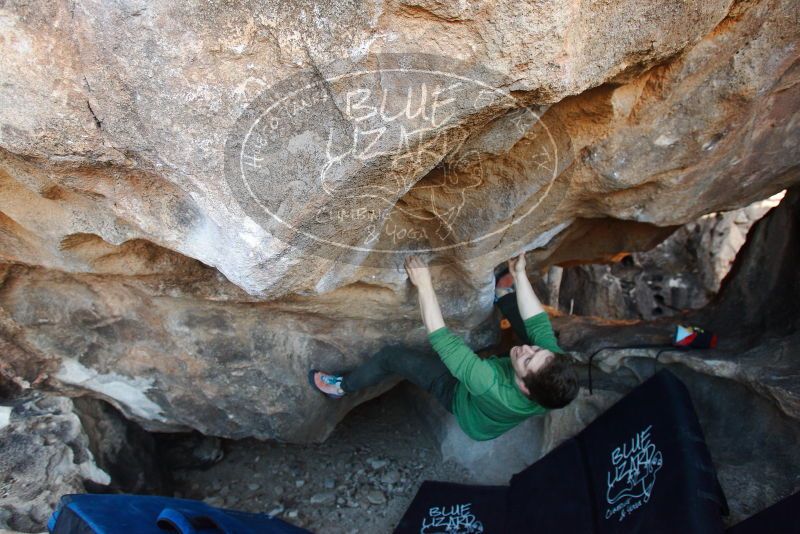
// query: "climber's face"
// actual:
[[527, 359]]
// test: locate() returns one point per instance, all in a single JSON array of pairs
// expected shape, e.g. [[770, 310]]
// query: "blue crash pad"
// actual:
[[144, 514]]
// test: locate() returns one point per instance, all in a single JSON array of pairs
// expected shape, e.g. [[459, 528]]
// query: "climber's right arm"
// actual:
[[420, 276], [476, 374]]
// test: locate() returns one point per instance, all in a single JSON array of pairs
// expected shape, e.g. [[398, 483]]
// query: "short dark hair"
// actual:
[[553, 386]]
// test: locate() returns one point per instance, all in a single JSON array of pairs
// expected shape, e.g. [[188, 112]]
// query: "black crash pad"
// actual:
[[642, 466], [455, 508], [783, 517]]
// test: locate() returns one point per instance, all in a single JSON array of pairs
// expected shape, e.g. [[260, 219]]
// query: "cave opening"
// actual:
[[683, 272]]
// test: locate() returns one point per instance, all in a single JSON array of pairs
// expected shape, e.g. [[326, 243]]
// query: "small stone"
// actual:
[[253, 487], [325, 497], [352, 503], [340, 501], [277, 490], [292, 514], [376, 463], [213, 501], [390, 477], [277, 510], [300, 483], [329, 483], [376, 497], [224, 491]]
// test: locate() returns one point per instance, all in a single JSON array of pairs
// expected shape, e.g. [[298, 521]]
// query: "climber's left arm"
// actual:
[[527, 301], [420, 276], [537, 323], [476, 374]]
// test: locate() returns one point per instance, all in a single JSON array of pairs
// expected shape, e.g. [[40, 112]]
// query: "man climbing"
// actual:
[[487, 396]]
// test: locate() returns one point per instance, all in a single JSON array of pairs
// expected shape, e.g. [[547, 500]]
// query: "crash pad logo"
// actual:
[[634, 465], [455, 519], [390, 156]]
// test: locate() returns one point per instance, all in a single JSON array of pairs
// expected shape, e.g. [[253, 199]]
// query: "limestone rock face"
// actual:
[[134, 270]]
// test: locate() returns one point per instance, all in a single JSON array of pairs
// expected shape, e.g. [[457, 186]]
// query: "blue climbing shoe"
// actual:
[[330, 385]]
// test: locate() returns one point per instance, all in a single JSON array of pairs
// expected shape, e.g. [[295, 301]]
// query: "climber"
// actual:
[[487, 396]]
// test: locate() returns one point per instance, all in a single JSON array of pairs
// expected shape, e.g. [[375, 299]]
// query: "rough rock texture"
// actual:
[[134, 275], [44, 454], [229, 370], [683, 272], [755, 315], [120, 448]]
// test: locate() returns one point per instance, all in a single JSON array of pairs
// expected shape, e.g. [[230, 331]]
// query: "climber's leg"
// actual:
[[330, 385], [423, 368]]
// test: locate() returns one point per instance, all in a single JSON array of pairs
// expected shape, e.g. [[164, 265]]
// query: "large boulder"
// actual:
[[137, 270]]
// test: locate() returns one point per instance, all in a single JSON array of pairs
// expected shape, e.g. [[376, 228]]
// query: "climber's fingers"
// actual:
[[517, 263], [417, 270]]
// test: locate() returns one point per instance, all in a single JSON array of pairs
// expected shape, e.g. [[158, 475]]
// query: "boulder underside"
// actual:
[[132, 272]]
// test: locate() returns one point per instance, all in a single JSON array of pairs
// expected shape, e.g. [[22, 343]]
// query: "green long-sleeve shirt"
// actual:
[[487, 401]]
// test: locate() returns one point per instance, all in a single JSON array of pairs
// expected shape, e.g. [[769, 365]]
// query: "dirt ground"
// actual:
[[361, 479]]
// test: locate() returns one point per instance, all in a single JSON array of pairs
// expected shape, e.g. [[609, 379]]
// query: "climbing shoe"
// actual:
[[330, 385]]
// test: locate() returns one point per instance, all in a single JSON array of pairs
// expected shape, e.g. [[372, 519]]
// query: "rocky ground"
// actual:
[[360, 480], [44, 453]]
